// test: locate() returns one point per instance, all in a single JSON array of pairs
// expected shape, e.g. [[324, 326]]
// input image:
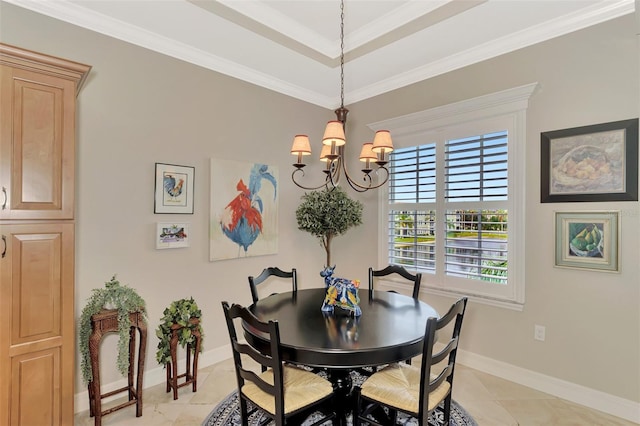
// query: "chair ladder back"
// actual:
[[254, 282], [429, 358], [425, 372], [416, 285], [271, 359], [440, 378], [400, 270], [447, 351], [269, 355]]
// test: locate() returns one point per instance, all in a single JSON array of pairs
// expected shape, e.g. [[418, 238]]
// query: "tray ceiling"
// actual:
[[293, 46]]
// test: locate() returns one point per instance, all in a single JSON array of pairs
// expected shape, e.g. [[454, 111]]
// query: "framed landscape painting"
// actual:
[[590, 163], [588, 240]]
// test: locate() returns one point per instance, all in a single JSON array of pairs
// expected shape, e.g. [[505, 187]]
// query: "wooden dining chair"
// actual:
[[398, 270], [391, 270], [416, 391], [254, 282], [287, 394]]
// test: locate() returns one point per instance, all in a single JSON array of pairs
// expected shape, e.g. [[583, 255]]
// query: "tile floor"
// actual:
[[490, 400]]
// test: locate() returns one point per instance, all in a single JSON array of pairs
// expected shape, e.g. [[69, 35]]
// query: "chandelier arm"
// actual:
[[333, 173], [336, 169], [333, 178], [308, 188], [367, 178]]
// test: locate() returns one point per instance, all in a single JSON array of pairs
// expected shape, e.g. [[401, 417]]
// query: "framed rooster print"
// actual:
[[174, 189], [243, 218]]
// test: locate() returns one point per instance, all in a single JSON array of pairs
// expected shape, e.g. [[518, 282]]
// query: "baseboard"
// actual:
[[607, 403], [152, 377], [610, 404]]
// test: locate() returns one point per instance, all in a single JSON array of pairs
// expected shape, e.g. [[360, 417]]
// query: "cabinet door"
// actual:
[[37, 145], [37, 341]]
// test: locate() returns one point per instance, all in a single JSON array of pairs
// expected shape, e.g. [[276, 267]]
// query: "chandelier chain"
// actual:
[[335, 140], [342, 54]]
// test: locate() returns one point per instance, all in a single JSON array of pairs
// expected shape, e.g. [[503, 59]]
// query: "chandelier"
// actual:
[[333, 146]]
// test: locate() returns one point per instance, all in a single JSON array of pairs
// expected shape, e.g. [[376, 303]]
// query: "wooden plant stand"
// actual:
[[191, 374], [106, 321]]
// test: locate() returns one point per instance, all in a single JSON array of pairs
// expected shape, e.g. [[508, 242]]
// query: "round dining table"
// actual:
[[390, 329]]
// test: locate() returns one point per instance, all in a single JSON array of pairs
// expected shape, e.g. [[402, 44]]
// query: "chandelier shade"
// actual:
[[334, 134], [324, 153], [300, 147], [367, 152], [382, 142], [367, 156]]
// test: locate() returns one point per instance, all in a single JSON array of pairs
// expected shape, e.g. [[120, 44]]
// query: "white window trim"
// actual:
[[512, 103]]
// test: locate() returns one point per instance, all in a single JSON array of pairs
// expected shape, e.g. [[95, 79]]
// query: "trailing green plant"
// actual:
[[328, 213], [113, 296], [180, 312]]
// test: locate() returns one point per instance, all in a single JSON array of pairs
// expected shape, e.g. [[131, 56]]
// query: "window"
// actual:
[[454, 206]]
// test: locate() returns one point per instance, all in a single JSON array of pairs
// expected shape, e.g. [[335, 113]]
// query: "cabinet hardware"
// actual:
[[4, 251], [4, 204]]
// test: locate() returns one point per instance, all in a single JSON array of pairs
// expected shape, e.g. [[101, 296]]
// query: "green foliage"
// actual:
[[496, 268], [112, 296], [328, 213], [179, 312]]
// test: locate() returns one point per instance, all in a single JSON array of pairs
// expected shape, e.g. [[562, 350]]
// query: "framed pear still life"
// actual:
[[588, 240], [174, 189], [590, 163]]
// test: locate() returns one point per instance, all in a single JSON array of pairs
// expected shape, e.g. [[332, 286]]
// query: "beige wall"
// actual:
[[584, 78], [139, 107]]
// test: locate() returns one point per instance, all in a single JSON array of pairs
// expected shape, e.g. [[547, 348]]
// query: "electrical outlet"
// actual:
[[539, 332]]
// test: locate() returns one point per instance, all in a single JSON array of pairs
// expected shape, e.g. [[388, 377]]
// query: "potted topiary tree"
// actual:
[[328, 213], [113, 296]]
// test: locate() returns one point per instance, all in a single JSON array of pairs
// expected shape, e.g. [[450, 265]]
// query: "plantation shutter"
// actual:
[[476, 174]]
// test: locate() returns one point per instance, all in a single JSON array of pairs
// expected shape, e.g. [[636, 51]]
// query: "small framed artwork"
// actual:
[[174, 189], [590, 163], [588, 240], [172, 235]]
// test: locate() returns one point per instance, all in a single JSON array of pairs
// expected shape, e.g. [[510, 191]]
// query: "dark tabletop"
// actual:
[[390, 329]]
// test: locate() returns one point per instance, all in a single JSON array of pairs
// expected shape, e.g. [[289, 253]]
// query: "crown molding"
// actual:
[[85, 18], [597, 14]]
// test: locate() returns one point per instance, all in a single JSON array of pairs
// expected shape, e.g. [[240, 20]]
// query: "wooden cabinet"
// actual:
[[37, 324], [37, 173], [37, 139]]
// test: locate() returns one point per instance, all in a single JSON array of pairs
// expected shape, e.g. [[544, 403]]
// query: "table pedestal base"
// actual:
[[343, 389]]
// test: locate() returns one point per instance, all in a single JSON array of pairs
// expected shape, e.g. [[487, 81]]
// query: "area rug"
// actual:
[[227, 413]]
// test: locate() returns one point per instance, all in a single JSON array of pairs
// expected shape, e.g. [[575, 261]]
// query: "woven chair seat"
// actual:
[[398, 385], [301, 388], [286, 393]]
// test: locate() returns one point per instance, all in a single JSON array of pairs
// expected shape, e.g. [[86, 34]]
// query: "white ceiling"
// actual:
[[293, 46]]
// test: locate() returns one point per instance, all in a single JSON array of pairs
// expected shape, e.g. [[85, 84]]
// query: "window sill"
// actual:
[[402, 288], [498, 303]]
